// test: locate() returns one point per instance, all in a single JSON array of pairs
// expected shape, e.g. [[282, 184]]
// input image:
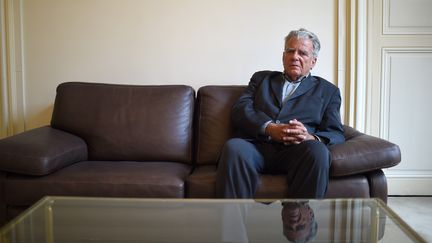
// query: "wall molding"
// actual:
[[403, 173], [3, 72], [389, 28], [11, 69], [352, 61], [387, 54], [409, 182], [400, 181], [406, 185]]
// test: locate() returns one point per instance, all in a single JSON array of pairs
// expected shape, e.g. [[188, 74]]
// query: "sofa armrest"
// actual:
[[362, 153], [40, 151]]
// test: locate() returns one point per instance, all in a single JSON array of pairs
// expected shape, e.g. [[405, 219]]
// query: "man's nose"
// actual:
[[295, 55]]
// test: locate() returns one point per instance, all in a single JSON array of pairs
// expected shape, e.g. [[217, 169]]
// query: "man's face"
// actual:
[[297, 58]]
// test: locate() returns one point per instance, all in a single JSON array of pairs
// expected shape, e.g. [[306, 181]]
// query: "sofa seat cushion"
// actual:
[[201, 184], [101, 179]]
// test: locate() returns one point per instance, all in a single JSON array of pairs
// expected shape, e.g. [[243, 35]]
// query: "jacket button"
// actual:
[[277, 122]]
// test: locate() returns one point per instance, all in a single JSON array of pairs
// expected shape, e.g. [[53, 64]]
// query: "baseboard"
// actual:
[[409, 186]]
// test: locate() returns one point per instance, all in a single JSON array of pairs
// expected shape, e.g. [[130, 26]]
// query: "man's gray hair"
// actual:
[[305, 34]]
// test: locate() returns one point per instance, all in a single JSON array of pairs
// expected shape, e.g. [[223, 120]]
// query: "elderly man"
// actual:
[[285, 122]]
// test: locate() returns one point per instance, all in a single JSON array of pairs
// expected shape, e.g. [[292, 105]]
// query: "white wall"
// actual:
[[193, 42]]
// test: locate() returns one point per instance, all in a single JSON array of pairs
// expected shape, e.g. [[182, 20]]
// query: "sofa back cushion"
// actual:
[[213, 120], [128, 122]]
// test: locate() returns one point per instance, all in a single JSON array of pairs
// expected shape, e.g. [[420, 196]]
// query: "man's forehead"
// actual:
[[301, 41]]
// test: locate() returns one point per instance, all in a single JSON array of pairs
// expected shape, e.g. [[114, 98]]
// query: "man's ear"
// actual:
[[314, 60]]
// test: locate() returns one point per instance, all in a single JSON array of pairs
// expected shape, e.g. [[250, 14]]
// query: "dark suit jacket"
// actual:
[[316, 103]]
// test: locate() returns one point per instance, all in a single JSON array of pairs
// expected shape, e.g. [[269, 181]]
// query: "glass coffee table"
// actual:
[[75, 219]]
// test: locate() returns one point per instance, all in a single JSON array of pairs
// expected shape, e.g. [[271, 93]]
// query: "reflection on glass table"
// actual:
[[73, 219]]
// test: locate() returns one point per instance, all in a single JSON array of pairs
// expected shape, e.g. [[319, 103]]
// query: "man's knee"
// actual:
[[317, 148], [319, 154], [240, 153], [231, 145], [236, 148]]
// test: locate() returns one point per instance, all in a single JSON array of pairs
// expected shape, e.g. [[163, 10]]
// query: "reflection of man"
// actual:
[[298, 220]]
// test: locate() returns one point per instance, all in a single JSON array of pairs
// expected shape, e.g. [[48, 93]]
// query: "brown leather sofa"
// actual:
[[108, 140]]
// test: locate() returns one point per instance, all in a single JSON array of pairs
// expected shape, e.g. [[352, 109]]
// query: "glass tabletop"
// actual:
[[74, 219]]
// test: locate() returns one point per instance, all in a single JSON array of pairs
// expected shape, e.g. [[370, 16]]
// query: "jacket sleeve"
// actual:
[[244, 115], [331, 128]]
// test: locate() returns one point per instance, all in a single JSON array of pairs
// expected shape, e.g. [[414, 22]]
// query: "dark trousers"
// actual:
[[305, 165]]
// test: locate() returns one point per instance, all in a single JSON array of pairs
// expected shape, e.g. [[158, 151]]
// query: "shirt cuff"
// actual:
[[263, 127]]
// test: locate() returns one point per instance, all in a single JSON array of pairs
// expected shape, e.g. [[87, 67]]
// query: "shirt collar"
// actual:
[[296, 81]]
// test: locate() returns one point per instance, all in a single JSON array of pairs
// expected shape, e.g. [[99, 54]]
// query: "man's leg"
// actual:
[[307, 167], [238, 170]]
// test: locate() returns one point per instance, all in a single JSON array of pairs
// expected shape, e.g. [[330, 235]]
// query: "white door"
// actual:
[[399, 50]]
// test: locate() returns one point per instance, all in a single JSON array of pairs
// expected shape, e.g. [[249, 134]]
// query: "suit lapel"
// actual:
[[304, 86], [277, 83]]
